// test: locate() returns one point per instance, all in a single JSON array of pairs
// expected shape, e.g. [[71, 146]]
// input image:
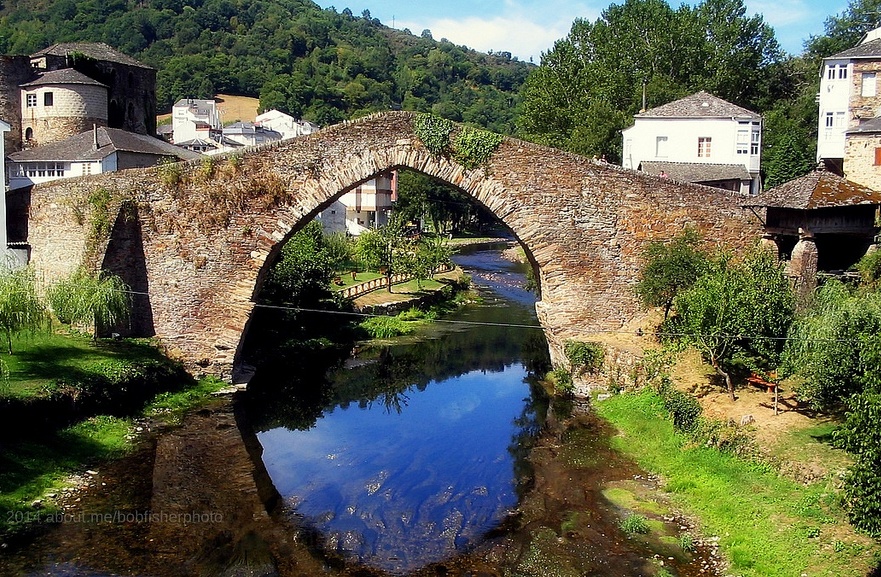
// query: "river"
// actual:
[[437, 454]]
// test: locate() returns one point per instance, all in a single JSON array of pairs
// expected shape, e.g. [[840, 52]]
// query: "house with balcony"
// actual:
[[848, 100], [366, 206], [701, 139]]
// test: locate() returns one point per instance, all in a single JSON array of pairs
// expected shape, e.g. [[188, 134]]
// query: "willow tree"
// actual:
[[101, 300], [20, 307]]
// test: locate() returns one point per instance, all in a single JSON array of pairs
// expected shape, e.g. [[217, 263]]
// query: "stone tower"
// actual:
[[60, 104]]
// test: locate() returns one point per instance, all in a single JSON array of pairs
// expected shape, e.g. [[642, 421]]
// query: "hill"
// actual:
[[313, 63]]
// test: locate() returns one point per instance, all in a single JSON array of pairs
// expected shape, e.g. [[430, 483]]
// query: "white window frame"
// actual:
[[830, 120], [662, 144], [842, 71], [30, 100], [868, 87]]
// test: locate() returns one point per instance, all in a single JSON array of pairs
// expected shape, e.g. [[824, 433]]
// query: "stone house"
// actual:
[[93, 152], [66, 88], [701, 139]]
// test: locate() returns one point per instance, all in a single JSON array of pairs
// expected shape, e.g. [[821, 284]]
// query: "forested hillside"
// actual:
[[317, 64]]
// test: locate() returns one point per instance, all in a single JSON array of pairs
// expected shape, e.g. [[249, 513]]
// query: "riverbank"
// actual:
[[69, 405], [766, 521]]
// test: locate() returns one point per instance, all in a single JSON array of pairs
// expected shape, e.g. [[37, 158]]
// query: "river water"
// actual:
[[437, 454]]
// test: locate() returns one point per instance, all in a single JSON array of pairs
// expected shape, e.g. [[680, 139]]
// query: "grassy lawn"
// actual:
[[767, 524], [346, 279], [44, 357]]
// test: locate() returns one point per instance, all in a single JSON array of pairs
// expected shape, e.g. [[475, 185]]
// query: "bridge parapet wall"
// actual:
[[197, 237]]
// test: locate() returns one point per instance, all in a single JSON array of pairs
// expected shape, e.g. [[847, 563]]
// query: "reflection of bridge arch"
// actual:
[[198, 241]]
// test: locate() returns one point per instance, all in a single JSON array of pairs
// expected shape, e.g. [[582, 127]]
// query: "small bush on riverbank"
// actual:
[[387, 327], [635, 524]]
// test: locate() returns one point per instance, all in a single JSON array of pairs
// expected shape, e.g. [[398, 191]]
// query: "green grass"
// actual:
[[33, 467], [346, 279], [764, 521], [41, 358], [42, 461]]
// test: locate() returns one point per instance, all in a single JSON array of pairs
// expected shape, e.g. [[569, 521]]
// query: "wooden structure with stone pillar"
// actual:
[[820, 222]]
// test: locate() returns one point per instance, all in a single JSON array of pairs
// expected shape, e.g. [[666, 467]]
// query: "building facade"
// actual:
[[366, 206], [849, 96], [700, 138], [193, 118]]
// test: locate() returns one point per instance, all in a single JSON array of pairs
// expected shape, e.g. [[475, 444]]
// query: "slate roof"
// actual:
[[81, 147], [96, 50], [699, 105], [871, 126], [870, 49], [62, 76], [696, 171], [818, 189]]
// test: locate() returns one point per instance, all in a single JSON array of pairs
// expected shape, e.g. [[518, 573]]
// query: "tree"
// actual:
[[302, 274], [20, 307], [737, 314], [845, 30], [835, 346], [669, 268], [861, 436], [384, 249], [102, 300], [591, 83]]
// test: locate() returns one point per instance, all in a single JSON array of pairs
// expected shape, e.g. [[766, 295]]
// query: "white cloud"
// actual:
[[523, 37]]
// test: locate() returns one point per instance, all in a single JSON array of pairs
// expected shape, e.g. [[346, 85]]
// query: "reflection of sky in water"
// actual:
[[400, 490]]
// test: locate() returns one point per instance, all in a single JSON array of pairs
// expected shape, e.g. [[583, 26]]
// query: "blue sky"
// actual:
[[526, 28]]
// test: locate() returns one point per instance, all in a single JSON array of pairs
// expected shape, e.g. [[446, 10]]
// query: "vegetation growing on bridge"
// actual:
[[471, 147]]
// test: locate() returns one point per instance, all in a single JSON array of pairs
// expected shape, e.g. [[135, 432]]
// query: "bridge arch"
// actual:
[[206, 232]]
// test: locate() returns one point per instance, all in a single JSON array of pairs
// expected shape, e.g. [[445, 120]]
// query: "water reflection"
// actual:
[[412, 452]]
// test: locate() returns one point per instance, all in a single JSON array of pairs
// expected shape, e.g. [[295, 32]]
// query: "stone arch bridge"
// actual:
[[196, 240]]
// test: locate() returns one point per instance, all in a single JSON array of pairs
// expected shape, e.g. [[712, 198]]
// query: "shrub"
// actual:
[[684, 409], [861, 436], [870, 270], [562, 381], [386, 327], [584, 357], [634, 524]]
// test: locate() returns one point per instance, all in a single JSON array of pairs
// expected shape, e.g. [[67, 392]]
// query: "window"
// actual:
[[47, 99], [742, 146], [754, 142], [31, 100], [28, 133], [703, 146], [839, 120], [868, 84], [830, 72], [830, 119], [661, 146], [842, 71], [878, 157]]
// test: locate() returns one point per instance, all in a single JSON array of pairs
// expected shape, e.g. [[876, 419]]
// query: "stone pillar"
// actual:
[[769, 242], [804, 265]]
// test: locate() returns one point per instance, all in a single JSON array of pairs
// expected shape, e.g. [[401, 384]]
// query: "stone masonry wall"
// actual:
[[859, 160], [14, 70], [75, 109], [210, 231], [864, 107]]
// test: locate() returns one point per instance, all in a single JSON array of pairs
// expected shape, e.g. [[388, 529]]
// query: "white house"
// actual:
[[250, 133], [849, 97], [99, 150], [700, 138], [194, 119], [287, 125], [364, 207]]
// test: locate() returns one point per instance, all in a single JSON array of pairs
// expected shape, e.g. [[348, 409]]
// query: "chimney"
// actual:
[[95, 137]]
